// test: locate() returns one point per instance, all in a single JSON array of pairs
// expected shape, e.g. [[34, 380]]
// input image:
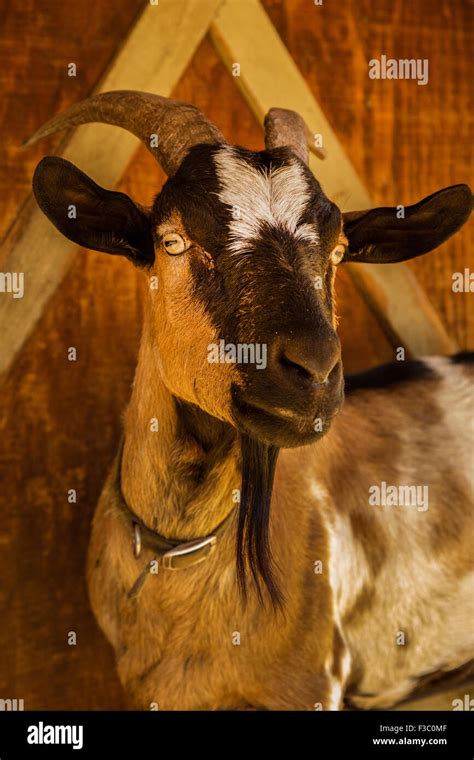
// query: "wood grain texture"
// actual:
[[60, 421], [147, 62]]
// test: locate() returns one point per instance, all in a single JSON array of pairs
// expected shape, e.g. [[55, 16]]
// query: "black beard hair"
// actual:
[[253, 544], [258, 470]]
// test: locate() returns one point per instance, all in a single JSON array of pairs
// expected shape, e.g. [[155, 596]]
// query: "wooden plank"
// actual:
[[243, 34], [154, 56], [28, 101]]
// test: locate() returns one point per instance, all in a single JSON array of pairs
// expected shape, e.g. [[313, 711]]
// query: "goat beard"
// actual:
[[253, 539]]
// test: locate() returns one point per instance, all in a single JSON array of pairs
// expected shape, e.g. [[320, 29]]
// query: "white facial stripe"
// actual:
[[278, 197]]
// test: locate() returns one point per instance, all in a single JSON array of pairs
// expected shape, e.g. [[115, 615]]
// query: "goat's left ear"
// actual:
[[389, 235]]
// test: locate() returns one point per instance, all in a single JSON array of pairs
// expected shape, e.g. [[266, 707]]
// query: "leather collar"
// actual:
[[169, 553]]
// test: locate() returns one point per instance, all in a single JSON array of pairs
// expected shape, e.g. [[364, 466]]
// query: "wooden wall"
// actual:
[[60, 420]]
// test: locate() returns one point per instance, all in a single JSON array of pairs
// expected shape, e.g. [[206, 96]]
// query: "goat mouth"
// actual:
[[280, 426]]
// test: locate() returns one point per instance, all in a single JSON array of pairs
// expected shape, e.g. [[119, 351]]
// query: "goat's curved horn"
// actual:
[[285, 128], [178, 125]]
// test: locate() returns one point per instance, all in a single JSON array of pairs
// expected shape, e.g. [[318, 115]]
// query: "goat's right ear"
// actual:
[[89, 215]]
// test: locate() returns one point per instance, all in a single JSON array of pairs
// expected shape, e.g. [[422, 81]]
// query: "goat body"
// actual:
[[378, 600], [371, 601]]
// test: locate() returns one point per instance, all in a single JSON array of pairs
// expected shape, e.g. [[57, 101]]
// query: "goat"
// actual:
[[210, 600]]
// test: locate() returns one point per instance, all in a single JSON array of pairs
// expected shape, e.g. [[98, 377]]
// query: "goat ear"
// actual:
[[378, 236], [89, 215]]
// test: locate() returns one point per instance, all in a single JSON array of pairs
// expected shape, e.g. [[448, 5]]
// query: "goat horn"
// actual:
[[288, 128], [178, 125]]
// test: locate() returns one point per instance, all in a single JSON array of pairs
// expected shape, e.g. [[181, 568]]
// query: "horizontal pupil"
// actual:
[[171, 242]]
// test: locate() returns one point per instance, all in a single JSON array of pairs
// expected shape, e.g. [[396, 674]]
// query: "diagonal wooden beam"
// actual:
[[243, 33], [153, 58]]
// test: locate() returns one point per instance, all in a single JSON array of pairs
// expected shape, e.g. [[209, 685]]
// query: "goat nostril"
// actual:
[[308, 365], [291, 364]]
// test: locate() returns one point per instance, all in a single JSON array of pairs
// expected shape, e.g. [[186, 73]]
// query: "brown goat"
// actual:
[[358, 584]]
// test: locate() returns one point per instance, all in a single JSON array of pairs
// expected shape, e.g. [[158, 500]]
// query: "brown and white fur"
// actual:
[[377, 600], [385, 570]]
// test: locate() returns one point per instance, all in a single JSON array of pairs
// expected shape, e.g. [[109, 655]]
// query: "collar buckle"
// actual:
[[188, 554]]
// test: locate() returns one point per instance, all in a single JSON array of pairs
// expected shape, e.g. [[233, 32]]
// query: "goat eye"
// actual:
[[337, 254], [173, 243]]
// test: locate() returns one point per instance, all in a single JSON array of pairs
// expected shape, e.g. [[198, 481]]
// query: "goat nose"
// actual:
[[309, 358]]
